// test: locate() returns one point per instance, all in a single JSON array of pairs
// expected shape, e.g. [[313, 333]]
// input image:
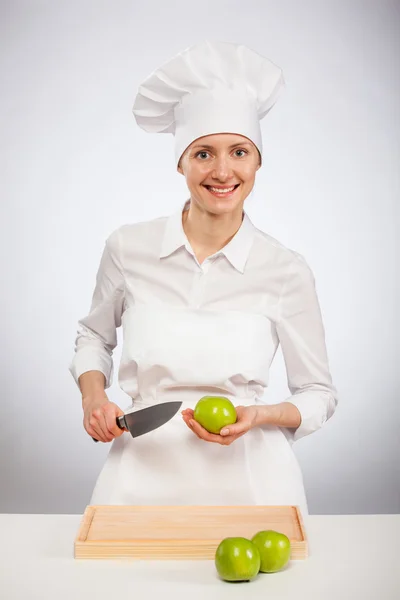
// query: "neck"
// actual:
[[207, 233]]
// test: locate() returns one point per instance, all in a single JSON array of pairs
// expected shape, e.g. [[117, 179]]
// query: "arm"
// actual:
[[302, 337], [97, 336], [92, 365], [92, 383], [284, 414]]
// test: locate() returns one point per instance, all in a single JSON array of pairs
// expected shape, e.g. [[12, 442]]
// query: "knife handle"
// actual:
[[120, 423]]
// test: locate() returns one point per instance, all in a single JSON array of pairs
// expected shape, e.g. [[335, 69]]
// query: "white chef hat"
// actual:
[[211, 87]]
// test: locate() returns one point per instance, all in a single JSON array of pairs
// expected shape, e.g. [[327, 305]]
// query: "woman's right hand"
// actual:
[[100, 417]]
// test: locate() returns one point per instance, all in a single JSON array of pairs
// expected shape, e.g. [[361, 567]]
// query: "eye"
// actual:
[[241, 150], [201, 152]]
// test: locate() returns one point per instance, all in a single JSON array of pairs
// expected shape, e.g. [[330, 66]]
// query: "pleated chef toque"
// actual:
[[211, 87]]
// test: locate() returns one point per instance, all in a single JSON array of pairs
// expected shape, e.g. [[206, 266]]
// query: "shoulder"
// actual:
[[140, 233], [290, 268], [273, 249]]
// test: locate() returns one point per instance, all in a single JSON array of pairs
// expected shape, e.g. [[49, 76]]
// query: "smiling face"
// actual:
[[220, 171]]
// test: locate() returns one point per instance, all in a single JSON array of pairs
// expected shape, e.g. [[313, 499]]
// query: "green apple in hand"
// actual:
[[237, 559], [214, 412], [274, 549]]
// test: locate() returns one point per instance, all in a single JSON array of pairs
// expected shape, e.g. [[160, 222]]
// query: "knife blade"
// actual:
[[147, 419]]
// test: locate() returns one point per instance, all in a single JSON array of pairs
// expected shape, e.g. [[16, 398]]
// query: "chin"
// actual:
[[221, 206], [218, 206]]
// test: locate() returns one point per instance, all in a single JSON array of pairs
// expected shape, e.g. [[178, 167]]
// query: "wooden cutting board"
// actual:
[[180, 532]]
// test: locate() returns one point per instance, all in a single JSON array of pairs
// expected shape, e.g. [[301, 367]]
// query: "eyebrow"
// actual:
[[212, 147]]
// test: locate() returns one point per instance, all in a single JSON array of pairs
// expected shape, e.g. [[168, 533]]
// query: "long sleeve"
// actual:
[[97, 336], [302, 337]]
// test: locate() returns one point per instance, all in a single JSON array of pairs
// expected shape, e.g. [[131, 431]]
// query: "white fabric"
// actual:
[[211, 87], [191, 330]]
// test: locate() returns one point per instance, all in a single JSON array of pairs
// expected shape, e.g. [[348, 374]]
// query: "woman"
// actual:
[[204, 299]]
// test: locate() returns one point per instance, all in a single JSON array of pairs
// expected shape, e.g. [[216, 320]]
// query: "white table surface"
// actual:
[[350, 557]]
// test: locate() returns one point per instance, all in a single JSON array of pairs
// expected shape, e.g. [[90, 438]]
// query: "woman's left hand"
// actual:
[[246, 419]]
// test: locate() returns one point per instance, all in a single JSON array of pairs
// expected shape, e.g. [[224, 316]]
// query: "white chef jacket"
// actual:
[[193, 329]]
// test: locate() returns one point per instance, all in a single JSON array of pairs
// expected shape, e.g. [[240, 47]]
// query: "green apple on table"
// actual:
[[237, 559], [242, 559], [274, 548], [214, 413]]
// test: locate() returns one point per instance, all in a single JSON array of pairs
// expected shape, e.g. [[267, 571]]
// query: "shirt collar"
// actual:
[[236, 251]]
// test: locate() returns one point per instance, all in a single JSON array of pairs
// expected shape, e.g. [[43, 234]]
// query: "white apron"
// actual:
[[183, 354]]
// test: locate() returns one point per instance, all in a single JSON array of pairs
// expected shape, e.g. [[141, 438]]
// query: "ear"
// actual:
[[179, 167], [259, 160]]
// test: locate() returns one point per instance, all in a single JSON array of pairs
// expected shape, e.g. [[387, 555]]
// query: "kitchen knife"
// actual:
[[146, 419]]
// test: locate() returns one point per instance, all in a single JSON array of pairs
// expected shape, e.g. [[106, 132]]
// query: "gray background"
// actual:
[[74, 166]]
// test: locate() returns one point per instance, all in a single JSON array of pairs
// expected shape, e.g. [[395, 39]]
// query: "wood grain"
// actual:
[[180, 532]]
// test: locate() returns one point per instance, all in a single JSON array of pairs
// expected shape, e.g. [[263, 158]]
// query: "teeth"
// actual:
[[221, 191]]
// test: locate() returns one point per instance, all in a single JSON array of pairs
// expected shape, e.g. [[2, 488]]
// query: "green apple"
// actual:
[[214, 412], [237, 559], [274, 549]]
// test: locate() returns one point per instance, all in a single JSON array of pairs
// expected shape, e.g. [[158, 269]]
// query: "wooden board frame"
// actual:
[[180, 532]]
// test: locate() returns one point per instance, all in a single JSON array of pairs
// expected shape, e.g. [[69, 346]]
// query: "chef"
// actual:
[[204, 299]]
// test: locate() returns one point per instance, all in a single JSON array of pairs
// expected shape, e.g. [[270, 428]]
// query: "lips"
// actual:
[[215, 187], [220, 194]]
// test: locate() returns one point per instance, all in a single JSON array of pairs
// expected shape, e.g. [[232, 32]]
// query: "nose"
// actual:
[[222, 170]]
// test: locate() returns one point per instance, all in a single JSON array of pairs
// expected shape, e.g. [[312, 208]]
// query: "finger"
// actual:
[[108, 435], [187, 423], [98, 422], [90, 430], [237, 428], [111, 422], [194, 429], [203, 433], [93, 427], [228, 440], [195, 433], [95, 432], [101, 434], [187, 412]]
